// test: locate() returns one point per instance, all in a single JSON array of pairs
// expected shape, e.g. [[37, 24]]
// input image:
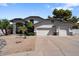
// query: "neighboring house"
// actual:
[[46, 26]]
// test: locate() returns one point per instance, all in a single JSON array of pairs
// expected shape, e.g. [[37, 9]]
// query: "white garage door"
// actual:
[[62, 33], [42, 32]]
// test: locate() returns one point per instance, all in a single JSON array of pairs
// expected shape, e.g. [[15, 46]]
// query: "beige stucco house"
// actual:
[[44, 27]]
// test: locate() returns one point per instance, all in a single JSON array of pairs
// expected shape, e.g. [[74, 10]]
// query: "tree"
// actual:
[[30, 24], [23, 29], [1, 26], [74, 19], [55, 13], [62, 14], [30, 27], [10, 29], [67, 14], [4, 23]]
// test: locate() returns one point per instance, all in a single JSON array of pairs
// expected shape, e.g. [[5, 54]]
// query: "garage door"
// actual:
[[42, 32], [62, 32]]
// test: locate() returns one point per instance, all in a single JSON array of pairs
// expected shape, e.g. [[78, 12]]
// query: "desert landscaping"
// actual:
[[15, 44], [40, 46]]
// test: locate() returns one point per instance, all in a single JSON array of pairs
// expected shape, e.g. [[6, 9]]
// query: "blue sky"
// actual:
[[22, 10]]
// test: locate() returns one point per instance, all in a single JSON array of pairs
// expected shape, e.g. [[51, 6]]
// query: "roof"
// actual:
[[20, 19], [16, 19], [34, 17]]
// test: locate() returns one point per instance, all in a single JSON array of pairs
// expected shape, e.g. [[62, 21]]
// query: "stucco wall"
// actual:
[[44, 30], [75, 31], [63, 28], [43, 22]]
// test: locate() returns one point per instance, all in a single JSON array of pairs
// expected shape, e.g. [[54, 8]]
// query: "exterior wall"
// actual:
[[52, 30], [44, 30], [62, 32], [36, 22], [63, 28], [75, 31], [43, 22]]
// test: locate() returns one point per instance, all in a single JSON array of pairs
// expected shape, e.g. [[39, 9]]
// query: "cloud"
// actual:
[[72, 4], [6, 4], [64, 8], [69, 6], [3, 4]]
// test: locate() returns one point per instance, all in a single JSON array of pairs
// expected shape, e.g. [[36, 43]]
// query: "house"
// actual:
[[45, 27]]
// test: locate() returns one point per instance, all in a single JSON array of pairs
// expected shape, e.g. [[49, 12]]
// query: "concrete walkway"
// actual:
[[54, 46]]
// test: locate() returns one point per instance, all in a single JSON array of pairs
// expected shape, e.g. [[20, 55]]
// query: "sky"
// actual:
[[23, 10]]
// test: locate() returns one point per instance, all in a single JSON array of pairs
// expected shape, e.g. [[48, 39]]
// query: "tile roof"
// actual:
[[34, 17]]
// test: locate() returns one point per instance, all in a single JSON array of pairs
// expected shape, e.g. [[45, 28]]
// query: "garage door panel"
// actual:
[[42, 32], [62, 33]]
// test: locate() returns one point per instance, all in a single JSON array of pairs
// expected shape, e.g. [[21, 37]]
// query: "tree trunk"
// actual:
[[6, 32], [2, 31], [24, 34]]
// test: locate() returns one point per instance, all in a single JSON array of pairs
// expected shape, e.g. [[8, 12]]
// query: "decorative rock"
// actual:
[[2, 43]]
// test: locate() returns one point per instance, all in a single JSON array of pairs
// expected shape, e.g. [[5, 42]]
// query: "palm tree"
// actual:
[[30, 27], [23, 29]]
